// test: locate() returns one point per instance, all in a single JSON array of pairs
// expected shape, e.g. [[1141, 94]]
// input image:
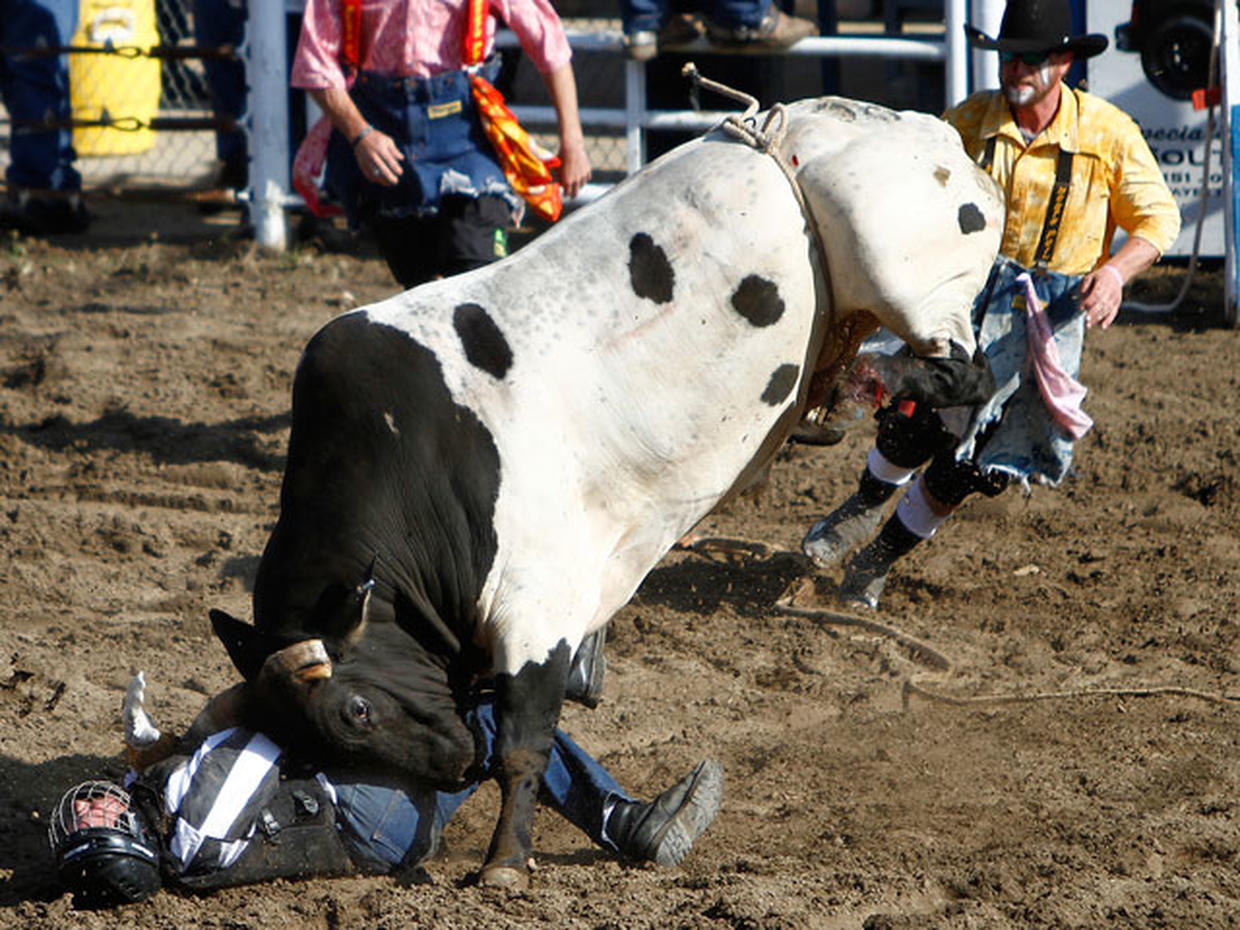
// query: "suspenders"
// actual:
[[1054, 207], [1054, 211]]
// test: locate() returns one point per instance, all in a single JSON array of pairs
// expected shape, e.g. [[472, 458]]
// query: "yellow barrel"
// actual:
[[123, 88]]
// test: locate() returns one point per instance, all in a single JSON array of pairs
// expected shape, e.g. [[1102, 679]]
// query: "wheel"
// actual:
[[1175, 54]]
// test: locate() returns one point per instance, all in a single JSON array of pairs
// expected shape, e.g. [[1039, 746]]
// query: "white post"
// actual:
[[266, 57], [956, 52], [634, 115], [987, 16], [1229, 53]]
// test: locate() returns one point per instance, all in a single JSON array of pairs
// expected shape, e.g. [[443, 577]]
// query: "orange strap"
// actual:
[[351, 29], [528, 168], [475, 33]]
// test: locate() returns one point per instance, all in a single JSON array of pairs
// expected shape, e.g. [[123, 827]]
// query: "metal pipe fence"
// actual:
[[178, 149]]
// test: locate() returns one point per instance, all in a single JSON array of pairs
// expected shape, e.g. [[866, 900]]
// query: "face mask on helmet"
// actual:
[[104, 852]]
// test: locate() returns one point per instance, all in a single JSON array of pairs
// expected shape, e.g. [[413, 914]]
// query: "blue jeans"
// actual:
[[639, 15], [385, 827], [222, 22], [36, 87]]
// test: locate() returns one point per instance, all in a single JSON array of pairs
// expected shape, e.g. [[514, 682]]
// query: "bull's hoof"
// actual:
[[504, 876], [808, 433]]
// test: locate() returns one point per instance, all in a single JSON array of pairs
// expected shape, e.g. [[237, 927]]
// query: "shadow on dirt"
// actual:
[[1201, 304], [31, 792], [698, 585], [166, 440]]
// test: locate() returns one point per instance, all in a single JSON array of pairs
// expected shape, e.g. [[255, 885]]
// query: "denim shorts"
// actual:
[[1014, 433]]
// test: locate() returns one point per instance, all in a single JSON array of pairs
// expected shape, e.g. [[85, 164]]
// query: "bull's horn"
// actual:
[[303, 662]]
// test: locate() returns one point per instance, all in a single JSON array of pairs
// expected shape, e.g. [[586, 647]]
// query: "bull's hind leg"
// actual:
[[529, 709]]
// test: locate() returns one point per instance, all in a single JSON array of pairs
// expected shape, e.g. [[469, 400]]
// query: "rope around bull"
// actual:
[[929, 655], [845, 336], [743, 126]]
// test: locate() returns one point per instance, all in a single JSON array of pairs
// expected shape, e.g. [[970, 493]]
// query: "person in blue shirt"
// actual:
[[44, 186]]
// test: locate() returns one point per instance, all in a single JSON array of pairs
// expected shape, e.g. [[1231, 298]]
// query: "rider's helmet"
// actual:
[[105, 853]]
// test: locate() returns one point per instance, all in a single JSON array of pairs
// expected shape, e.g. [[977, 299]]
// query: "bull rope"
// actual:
[[766, 140], [912, 687], [846, 335], [926, 654]]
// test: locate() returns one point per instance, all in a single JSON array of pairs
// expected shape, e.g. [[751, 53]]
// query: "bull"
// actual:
[[482, 470]]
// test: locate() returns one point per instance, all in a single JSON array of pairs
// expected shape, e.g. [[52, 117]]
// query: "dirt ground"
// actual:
[[145, 375]]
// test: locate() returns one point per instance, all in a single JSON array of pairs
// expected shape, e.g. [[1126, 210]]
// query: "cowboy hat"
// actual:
[[1038, 26]]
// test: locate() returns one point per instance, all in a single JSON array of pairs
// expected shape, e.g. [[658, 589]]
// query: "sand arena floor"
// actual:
[[144, 401]]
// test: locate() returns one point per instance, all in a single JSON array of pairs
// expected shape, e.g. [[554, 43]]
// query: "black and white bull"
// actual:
[[482, 470]]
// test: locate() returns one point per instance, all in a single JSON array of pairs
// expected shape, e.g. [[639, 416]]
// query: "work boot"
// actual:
[[866, 574], [644, 44], [850, 524], [777, 30], [663, 830], [641, 45], [585, 675], [46, 216]]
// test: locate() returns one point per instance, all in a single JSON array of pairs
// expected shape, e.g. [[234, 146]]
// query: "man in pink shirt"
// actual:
[[408, 158]]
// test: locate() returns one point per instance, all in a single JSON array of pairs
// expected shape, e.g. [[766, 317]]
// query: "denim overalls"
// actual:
[[435, 124]]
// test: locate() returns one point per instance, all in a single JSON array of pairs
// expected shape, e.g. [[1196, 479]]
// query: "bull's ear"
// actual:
[[246, 646]]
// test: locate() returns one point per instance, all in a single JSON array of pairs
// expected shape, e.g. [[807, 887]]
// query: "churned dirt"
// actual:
[[144, 410]]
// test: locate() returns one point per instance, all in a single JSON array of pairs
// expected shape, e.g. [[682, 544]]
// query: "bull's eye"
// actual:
[[358, 710]]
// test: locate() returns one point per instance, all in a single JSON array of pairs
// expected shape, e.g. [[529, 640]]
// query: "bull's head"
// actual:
[[909, 223], [371, 700]]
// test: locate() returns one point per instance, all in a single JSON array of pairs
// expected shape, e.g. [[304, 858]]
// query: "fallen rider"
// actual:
[[238, 810]]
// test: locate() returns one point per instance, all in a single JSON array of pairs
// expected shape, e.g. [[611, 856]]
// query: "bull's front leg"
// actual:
[[528, 709]]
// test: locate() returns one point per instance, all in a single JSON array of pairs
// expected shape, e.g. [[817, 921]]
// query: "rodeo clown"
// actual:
[[1073, 168], [238, 810], [405, 85]]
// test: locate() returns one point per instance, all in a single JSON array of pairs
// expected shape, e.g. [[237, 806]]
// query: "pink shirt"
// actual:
[[419, 38]]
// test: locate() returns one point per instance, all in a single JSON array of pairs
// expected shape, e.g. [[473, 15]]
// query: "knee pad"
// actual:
[[951, 481], [910, 440], [105, 853]]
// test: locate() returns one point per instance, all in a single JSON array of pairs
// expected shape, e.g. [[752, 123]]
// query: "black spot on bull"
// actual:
[[758, 301], [783, 380], [650, 272], [484, 343], [970, 219]]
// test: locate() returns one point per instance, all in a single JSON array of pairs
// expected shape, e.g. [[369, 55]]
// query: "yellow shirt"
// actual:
[[1115, 179]]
